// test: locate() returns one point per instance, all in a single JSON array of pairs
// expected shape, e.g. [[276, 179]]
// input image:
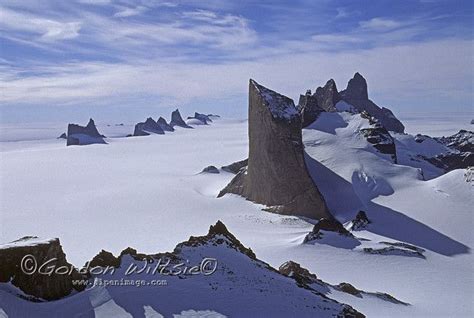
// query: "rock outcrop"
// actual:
[[202, 117], [210, 169], [360, 222], [19, 259], [177, 120], [79, 135], [308, 108], [357, 95], [328, 96], [306, 279], [62, 136], [236, 166], [326, 225], [462, 141], [276, 175], [164, 125], [148, 127], [381, 139], [452, 161]]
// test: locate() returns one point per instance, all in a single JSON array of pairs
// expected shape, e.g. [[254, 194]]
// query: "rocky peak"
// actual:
[[79, 135], [276, 175], [356, 95], [164, 125], [328, 96], [177, 120], [357, 88], [147, 127], [214, 236]]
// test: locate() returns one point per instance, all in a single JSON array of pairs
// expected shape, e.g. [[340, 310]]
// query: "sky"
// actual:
[[122, 60]]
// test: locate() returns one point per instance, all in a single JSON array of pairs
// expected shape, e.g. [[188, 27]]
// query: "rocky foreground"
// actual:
[[237, 283]]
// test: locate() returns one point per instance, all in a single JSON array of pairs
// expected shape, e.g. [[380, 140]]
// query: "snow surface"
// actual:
[[145, 192], [194, 122]]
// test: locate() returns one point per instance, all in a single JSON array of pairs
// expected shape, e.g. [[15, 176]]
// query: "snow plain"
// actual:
[[147, 193]]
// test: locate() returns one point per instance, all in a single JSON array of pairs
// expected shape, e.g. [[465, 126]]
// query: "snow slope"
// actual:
[[147, 192]]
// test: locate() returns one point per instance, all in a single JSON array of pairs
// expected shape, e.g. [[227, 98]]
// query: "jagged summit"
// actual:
[[177, 120], [164, 125], [281, 107], [356, 88], [356, 94], [147, 127], [328, 96], [79, 135]]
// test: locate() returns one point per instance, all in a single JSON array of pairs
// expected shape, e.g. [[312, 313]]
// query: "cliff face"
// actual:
[[276, 174], [48, 287]]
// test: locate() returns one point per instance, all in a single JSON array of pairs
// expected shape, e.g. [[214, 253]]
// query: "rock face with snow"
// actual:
[[356, 94], [222, 269], [328, 96], [177, 120], [360, 222], [308, 280], [460, 154], [17, 263], [79, 135], [276, 175], [451, 161], [164, 125], [326, 225], [381, 139], [148, 127], [462, 141]]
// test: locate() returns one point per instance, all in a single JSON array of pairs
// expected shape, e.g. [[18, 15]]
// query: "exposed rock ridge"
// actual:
[[164, 125], [39, 285], [357, 95], [79, 135], [276, 175], [177, 120], [147, 127], [328, 96]]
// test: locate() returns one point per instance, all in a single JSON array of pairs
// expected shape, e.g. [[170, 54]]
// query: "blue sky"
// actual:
[[127, 59]]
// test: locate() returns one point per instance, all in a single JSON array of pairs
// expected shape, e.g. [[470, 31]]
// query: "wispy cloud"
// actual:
[[128, 12], [45, 29], [380, 24], [107, 51]]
